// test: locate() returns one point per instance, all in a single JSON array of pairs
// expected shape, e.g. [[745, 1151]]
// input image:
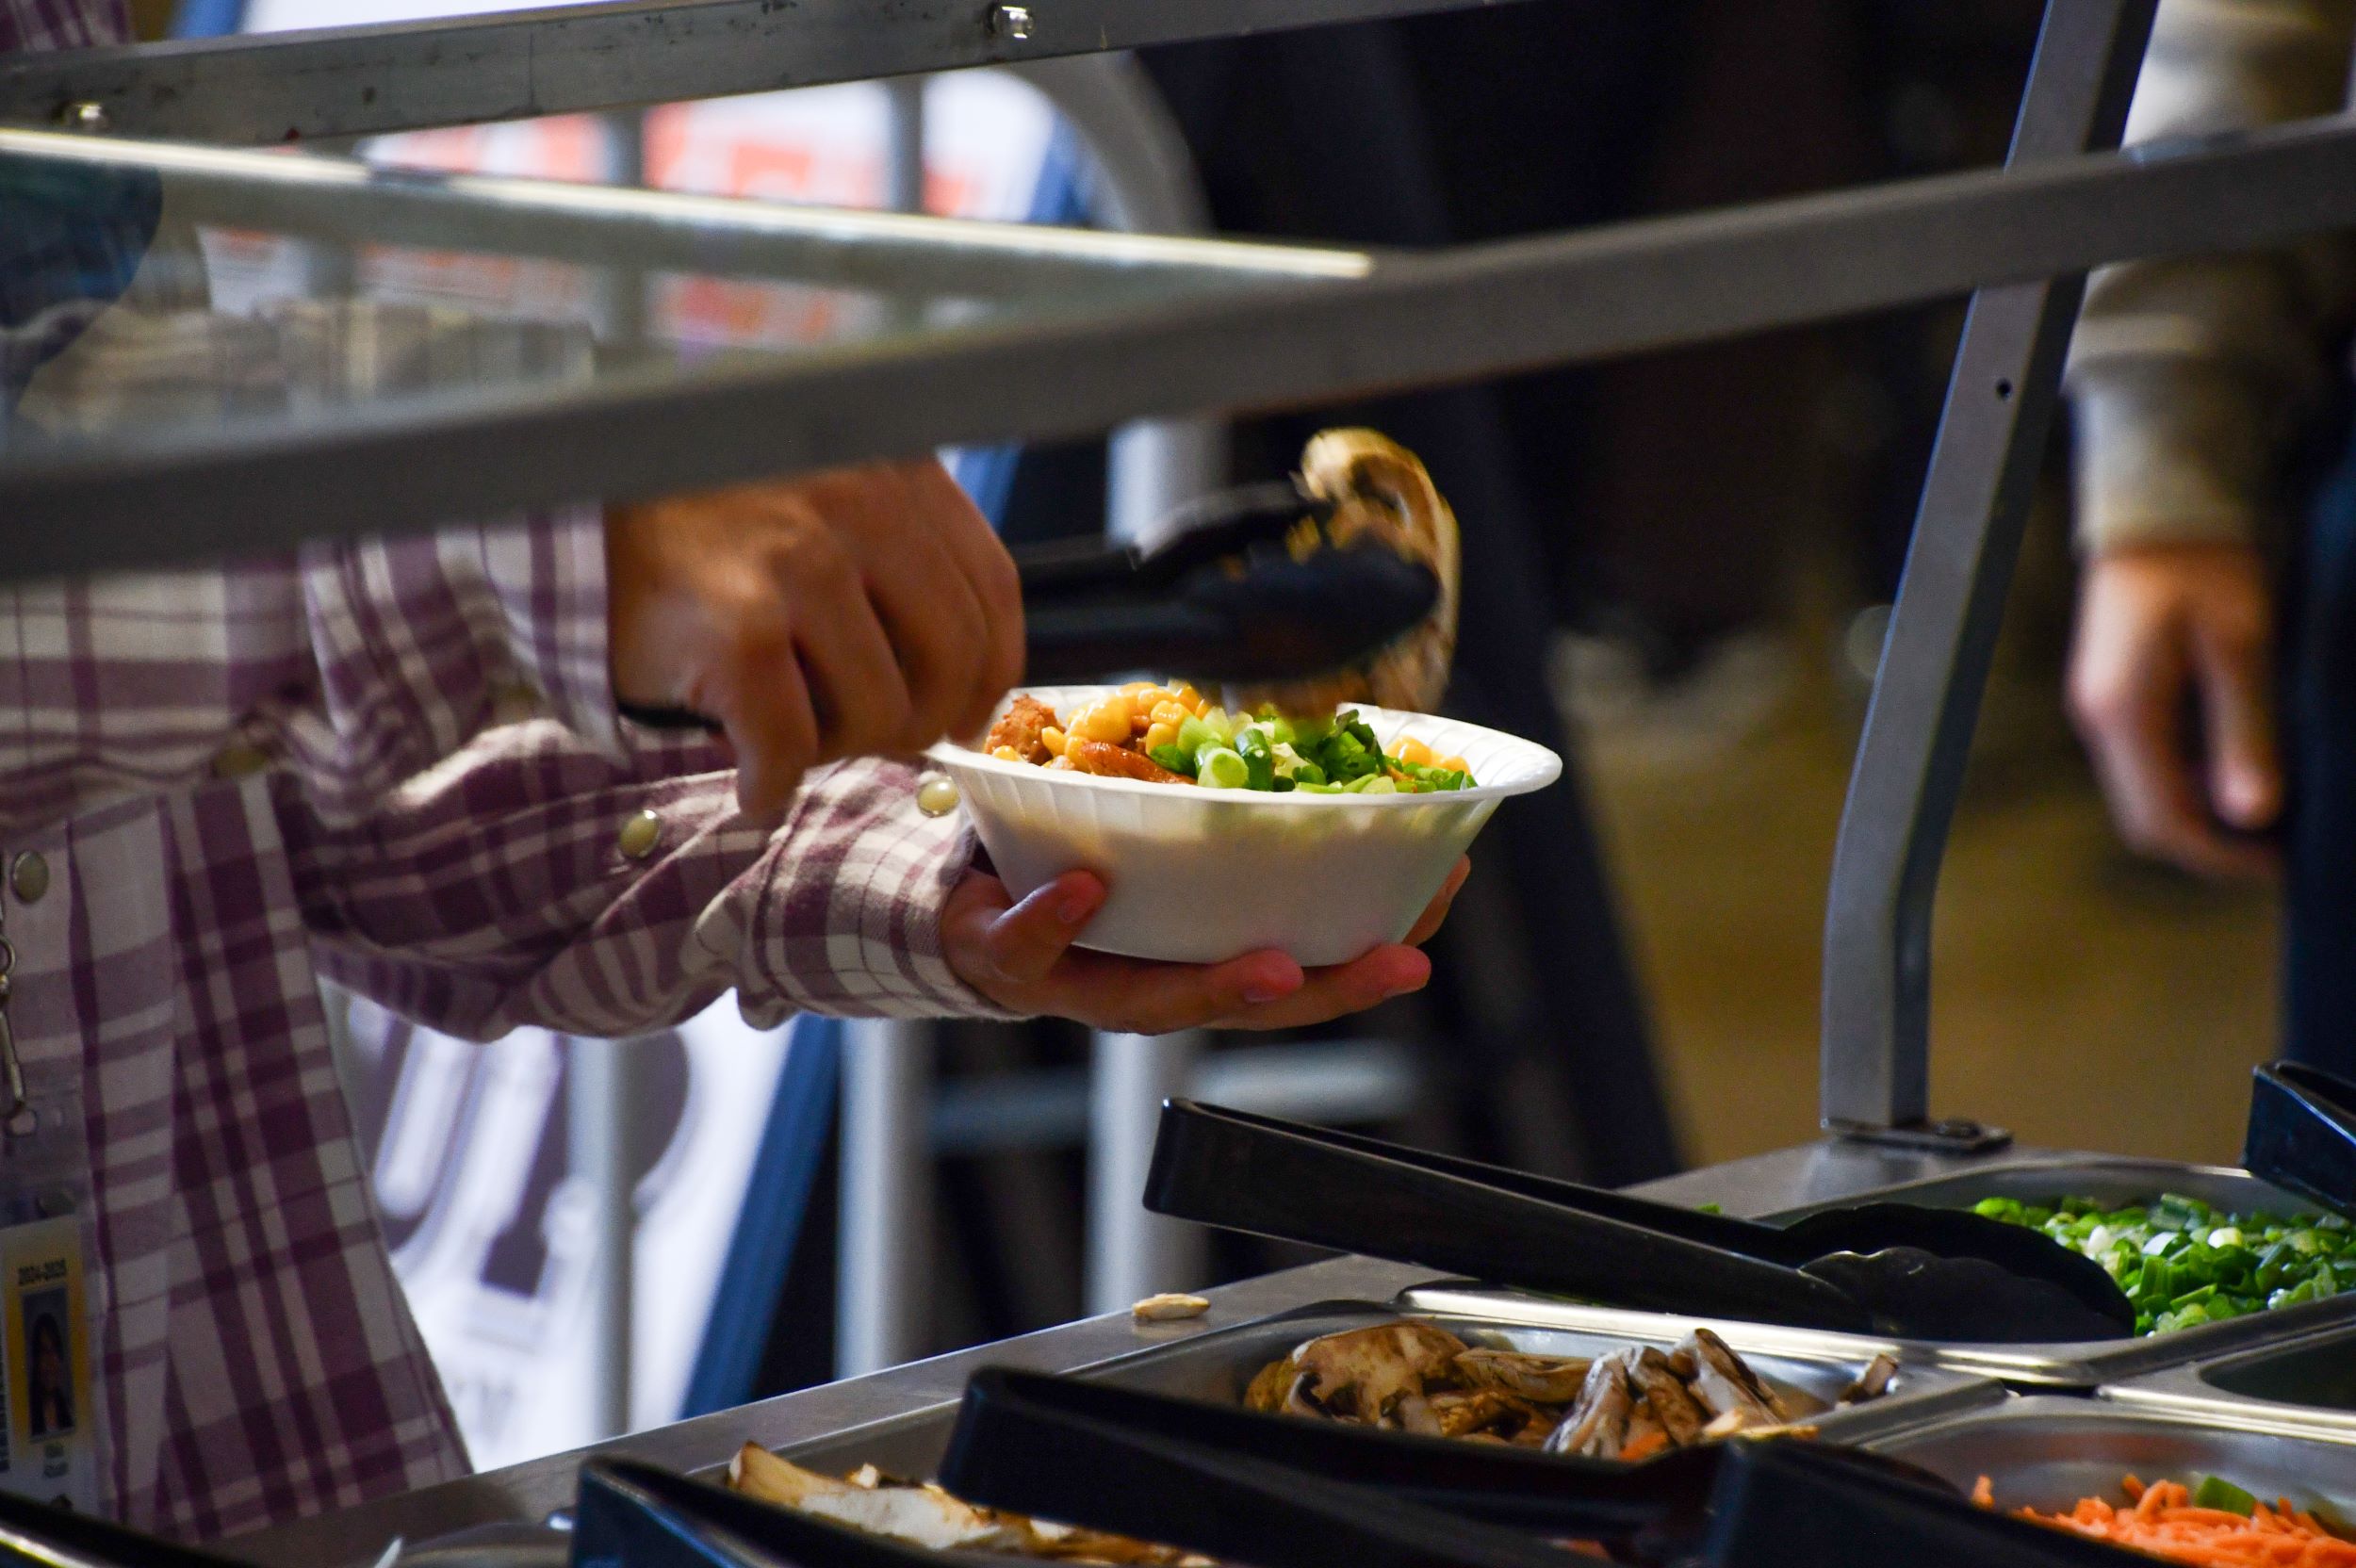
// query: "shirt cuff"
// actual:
[[2170, 452], [852, 923]]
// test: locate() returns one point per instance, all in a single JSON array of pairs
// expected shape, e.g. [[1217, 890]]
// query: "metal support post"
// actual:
[[1942, 630], [597, 1103], [886, 1248], [1131, 1254], [624, 305], [881, 1283]]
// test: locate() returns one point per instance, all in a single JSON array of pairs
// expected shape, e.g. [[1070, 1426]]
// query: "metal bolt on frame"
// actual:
[[1010, 20]]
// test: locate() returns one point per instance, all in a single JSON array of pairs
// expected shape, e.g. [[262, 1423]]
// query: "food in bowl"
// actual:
[[1175, 735], [1200, 877], [2183, 1263]]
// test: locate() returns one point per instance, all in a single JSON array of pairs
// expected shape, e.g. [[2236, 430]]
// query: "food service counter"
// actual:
[[880, 1406]]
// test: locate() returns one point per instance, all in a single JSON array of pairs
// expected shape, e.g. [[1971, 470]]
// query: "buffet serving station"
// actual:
[[982, 333]]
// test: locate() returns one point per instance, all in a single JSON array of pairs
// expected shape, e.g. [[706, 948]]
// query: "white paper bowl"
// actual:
[[1201, 875]]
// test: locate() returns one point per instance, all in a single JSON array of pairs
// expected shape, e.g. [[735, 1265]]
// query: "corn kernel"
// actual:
[[1053, 739], [1152, 698], [1458, 764], [1135, 687], [1169, 711], [1192, 700], [1413, 750], [1107, 721], [1161, 735], [1006, 754]]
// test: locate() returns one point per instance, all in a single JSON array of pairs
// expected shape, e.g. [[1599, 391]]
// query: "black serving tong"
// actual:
[[2302, 1133], [1279, 1491], [634, 1515], [1211, 594], [1882, 1269]]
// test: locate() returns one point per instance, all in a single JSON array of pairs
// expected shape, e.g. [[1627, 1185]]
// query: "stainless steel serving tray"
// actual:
[[1217, 1366], [2082, 1364], [2303, 1385], [2048, 1451]]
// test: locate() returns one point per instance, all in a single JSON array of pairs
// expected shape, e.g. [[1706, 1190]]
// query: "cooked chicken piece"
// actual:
[[1107, 761], [1542, 1379], [1874, 1382], [1597, 1425], [1360, 1374], [923, 1515], [1723, 1382], [1681, 1362], [1019, 727], [1679, 1412]]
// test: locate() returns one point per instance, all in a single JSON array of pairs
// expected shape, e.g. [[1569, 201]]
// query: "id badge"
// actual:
[[49, 1453]]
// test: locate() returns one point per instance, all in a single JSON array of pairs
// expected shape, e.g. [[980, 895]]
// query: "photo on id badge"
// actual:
[[49, 1451]]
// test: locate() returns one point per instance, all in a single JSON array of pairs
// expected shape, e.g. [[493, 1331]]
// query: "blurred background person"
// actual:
[[2195, 381]]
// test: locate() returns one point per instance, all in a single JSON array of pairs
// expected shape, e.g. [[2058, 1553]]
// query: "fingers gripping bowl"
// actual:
[[1201, 875]]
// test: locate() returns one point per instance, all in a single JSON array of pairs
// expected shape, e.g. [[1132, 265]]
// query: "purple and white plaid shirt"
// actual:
[[396, 763]]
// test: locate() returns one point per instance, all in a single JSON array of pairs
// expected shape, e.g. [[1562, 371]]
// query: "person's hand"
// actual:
[[1021, 956], [2157, 624], [865, 611]]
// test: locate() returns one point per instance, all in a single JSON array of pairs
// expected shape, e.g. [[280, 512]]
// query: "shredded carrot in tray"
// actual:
[[2160, 1519]]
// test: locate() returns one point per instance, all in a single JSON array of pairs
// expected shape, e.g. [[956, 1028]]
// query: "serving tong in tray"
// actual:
[[1881, 1268], [1211, 593], [1279, 1491]]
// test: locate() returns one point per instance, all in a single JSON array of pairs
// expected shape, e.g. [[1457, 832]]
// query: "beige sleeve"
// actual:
[[2184, 372]]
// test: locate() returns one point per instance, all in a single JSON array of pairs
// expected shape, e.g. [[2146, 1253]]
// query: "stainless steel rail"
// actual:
[[360, 81], [1942, 630], [1458, 314], [616, 225]]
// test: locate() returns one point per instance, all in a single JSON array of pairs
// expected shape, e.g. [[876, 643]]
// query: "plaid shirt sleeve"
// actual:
[[533, 881], [355, 668]]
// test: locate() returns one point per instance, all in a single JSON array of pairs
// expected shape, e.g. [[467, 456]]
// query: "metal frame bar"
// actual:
[[339, 199], [1942, 629], [1453, 315], [277, 88]]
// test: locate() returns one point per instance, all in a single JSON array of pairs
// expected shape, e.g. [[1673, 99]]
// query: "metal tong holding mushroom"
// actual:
[[1876, 1268], [1278, 1494]]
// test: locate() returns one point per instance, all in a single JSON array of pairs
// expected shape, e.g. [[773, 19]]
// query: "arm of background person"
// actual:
[[2184, 374]]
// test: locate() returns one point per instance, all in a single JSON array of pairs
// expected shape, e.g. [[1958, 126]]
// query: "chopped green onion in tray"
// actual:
[[2183, 1262]]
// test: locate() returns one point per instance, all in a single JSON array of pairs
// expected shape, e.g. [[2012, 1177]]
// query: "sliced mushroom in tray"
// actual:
[[1629, 1403]]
